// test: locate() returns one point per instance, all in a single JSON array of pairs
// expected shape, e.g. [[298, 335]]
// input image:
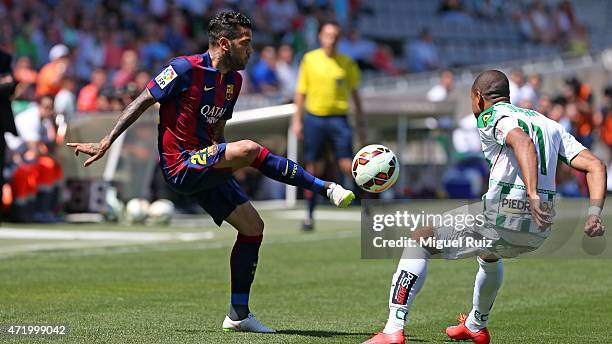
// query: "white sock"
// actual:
[[488, 280], [407, 281]]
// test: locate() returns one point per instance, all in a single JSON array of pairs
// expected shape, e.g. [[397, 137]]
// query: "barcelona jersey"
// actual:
[[193, 97]]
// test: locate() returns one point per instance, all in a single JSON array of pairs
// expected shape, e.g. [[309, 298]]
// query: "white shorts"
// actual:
[[484, 240]]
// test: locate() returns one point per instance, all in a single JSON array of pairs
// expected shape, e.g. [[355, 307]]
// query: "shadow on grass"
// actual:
[[326, 334], [322, 334], [308, 333]]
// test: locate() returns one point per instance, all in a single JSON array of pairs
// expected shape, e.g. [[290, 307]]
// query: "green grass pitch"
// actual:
[[312, 288]]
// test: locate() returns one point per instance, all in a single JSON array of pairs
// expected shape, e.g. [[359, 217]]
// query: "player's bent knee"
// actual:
[[253, 227], [424, 233], [248, 148], [258, 226], [489, 258]]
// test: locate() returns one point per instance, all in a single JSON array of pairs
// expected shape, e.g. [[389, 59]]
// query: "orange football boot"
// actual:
[[385, 338], [460, 332]]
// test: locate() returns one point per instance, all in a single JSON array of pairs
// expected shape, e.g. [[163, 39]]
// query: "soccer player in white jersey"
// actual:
[[523, 148]]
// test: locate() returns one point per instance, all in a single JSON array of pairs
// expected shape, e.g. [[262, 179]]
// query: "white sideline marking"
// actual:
[[323, 215], [102, 248], [17, 233]]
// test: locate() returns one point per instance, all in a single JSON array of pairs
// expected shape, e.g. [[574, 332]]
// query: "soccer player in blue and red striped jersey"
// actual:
[[197, 95]]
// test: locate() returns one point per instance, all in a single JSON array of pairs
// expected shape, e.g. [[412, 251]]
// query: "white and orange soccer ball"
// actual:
[[375, 168]]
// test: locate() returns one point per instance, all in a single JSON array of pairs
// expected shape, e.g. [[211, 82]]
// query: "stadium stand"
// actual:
[[108, 53]]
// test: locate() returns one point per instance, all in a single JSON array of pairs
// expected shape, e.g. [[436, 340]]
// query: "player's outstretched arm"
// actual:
[[527, 157], [596, 177], [129, 115]]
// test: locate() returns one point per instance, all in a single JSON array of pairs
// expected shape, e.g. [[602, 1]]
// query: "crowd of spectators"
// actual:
[[108, 49], [103, 52], [95, 56], [538, 22]]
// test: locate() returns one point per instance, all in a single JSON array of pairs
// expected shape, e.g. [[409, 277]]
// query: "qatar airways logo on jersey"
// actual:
[[212, 113]]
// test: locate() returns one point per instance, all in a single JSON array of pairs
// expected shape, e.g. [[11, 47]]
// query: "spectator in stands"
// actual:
[[36, 180], [606, 116], [141, 80], [286, 71], [127, 71], [579, 109], [529, 93], [489, 9], [88, 99], [280, 13], [25, 45], [383, 60], [466, 140], [90, 52], [7, 124], [176, 33], [111, 43], [155, 51], [361, 50], [453, 10], [544, 104], [516, 81], [26, 77], [51, 75], [579, 43], [422, 54], [557, 113], [263, 76], [65, 100], [565, 20], [541, 22], [525, 26], [441, 91]]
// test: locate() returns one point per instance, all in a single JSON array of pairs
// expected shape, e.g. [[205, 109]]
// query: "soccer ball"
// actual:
[[160, 212], [136, 210], [375, 168]]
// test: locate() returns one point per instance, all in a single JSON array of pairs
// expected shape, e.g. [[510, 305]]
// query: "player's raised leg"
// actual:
[[243, 263], [245, 153], [488, 281]]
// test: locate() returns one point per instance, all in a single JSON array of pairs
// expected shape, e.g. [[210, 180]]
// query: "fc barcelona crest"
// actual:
[[229, 92]]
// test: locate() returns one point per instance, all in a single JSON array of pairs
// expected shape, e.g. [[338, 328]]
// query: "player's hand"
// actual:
[[593, 226], [95, 150], [298, 129], [542, 217]]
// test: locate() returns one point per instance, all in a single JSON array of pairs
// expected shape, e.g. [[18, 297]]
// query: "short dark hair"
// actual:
[[328, 22], [226, 24], [493, 85]]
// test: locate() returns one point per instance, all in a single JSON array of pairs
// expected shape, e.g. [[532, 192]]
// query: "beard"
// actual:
[[234, 62]]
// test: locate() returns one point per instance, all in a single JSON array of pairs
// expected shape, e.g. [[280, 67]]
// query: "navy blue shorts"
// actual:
[[318, 130], [215, 190]]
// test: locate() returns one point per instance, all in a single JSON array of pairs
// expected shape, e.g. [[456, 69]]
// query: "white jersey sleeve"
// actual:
[[569, 147]]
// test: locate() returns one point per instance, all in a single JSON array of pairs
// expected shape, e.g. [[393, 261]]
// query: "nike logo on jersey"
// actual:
[[206, 88]]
